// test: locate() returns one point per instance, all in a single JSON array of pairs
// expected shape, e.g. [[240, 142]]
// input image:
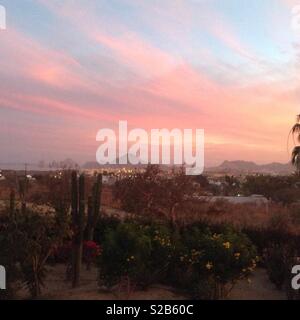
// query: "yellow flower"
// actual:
[[237, 255], [209, 266], [226, 245]]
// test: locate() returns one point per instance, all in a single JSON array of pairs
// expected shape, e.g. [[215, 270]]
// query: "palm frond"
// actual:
[[296, 131], [288, 142], [296, 157], [296, 128]]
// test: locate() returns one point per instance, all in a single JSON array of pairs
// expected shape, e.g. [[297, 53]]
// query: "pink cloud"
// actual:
[[167, 92], [138, 54]]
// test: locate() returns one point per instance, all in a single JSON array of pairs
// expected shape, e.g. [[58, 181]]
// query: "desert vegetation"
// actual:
[[158, 233]]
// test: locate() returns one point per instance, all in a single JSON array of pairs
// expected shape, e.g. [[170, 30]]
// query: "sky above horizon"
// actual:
[[69, 68]]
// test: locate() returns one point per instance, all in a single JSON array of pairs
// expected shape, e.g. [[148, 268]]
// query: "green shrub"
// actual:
[[202, 263], [125, 255], [211, 263], [278, 249], [40, 234], [276, 266], [104, 223], [266, 237], [26, 242], [278, 261], [161, 254], [8, 257]]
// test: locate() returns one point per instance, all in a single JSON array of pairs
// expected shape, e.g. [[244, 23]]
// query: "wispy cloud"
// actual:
[[172, 64]]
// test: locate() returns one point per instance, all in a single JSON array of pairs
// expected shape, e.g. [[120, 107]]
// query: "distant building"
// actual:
[[256, 200], [30, 177], [109, 180], [1, 176]]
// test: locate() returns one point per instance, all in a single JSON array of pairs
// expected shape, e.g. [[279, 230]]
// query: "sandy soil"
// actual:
[[260, 288], [57, 288]]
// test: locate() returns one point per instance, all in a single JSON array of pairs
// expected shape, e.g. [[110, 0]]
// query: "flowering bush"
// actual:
[[161, 254], [217, 260], [202, 263], [91, 250], [137, 252]]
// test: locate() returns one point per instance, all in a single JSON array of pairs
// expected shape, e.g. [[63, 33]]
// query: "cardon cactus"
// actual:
[[23, 185], [78, 217], [94, 207], [12, 204]]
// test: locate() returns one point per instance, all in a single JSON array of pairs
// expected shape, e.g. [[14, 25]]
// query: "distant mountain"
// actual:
[[65, 164], [227, 167], [91, 165], [240, 166]]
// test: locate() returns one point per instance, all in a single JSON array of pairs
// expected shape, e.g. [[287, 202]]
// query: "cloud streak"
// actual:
[[184, 67]]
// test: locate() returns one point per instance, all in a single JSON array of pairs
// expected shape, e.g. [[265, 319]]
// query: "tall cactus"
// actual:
[[94, 207], [78, 215], [22, 185], [12, 204]]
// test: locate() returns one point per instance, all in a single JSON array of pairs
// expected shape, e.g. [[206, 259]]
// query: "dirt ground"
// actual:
[[56, 288], [260, 288]]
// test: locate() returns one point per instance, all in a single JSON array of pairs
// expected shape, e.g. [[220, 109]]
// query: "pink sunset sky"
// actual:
[[69, 68]]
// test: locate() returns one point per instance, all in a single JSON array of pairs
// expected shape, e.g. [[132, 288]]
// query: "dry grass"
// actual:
[[243, 215]]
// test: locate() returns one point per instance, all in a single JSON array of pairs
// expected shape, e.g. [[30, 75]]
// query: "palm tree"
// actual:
[[295, 131]]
